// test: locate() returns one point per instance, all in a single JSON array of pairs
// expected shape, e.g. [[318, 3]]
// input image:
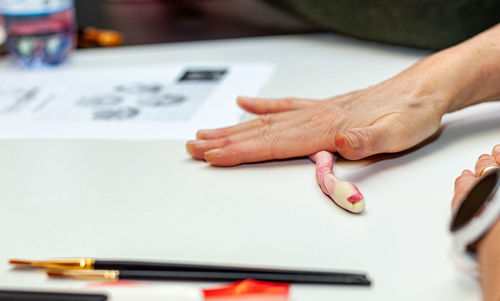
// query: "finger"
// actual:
[[496, 153], [324, 166], [260, 121], [462, 186], [268, 143], [267, 105], [359, 143], [227, 131], [266, 131], [483, 162], [197, 148], [235, 154]]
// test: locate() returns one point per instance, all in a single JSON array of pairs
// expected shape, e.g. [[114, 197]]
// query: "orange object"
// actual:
[[93, 37], [248, 290]]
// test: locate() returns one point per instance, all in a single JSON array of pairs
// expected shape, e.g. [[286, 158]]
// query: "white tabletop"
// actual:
[[149, 200]]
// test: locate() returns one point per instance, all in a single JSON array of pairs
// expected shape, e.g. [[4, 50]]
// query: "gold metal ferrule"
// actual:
[[111, 275], [61, 264]]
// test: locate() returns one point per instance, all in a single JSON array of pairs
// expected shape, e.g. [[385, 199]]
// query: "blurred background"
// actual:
[[163, 21], [435, 24]]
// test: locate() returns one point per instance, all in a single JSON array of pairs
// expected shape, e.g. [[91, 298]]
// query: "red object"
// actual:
[[248, 290], [355, 197], [57, 22]]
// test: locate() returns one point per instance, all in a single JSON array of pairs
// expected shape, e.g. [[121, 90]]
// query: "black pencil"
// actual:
[[210, 276]]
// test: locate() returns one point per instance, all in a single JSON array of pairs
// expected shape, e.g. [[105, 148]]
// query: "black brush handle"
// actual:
[[234, 276], [165, 266], [14, 295]]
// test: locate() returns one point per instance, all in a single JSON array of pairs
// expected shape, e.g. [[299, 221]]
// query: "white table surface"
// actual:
[[149, 200]]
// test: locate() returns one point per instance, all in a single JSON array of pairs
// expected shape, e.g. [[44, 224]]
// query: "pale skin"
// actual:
[[488, 248], [385, 118], [389, 117]]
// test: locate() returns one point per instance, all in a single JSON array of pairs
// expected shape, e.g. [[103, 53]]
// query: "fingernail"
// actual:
[[212, 152], [196, 142], [207, 134], [496, 150], [245, 97], [484, 157], [202, 132], [467, 172]]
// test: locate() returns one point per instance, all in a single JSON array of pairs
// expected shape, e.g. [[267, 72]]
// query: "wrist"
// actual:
[[475, 70], [440, 81]]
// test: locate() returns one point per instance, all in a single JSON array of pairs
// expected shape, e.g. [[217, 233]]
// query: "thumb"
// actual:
[[269, 105], [462, 186], [358, 143]]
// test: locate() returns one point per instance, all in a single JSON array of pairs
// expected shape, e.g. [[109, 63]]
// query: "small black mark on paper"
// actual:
[[162, 100], [116, 114], [139, 88], [21, 98], [100, 100], [202, 75]]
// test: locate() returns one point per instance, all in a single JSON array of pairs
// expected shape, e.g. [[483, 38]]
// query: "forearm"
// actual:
[[489, 264], [475, 70], [452, 79]]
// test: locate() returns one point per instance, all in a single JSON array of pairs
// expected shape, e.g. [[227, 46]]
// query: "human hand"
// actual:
[[488, 247], [389, 117], [465, 181]]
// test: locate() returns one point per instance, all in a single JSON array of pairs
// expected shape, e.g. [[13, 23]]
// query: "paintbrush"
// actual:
[[113, 275], [94, 264]]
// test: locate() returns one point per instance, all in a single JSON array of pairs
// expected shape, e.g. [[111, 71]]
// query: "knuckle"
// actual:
[[270, 139], [268, 135], [333, 125], [289, 101], [317, 121], [325, 124], [264, 120], [227, 141], [366, 140]]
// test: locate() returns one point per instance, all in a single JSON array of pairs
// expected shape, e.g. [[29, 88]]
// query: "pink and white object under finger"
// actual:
[[343, 193]]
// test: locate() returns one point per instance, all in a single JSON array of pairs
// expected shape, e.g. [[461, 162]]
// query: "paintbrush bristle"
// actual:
[[20, 261], [55, 273]]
